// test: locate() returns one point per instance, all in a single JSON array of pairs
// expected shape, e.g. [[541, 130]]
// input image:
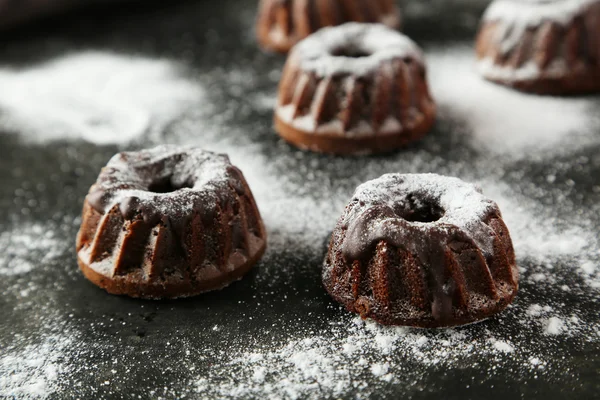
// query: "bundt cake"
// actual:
[[542, 46], [282, 23], [354, 88], [169, 222], [421, 250]]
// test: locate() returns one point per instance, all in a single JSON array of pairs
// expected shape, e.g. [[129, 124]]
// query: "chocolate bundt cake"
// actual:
[[282, 23], [355, 88], [169, 222], [542, 46], [421, 250]]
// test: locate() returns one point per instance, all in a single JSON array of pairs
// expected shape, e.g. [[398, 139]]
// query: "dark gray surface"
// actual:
[[283, 295]]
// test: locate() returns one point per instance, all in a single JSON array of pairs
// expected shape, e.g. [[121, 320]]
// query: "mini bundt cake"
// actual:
[[355, 88], [169, 222], [421, 250], [542, 46], [282, 23]]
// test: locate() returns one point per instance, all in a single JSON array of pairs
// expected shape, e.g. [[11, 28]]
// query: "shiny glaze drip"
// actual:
[[428, 243]]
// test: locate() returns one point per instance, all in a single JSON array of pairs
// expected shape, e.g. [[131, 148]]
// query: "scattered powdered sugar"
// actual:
[[514, 19], [548, 251], [505, 121], [345, 358], [381, 369], [536, 235], [36, 366], [28, 246], [265, 101], [588, 267], [99, 97], [33, 371], [554, 326], [319, 52], [503, 346]]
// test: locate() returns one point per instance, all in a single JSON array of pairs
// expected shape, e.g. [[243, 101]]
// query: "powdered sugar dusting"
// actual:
[[33, 371], [99, 97], [342, 359], [528, 71], [554, 326], [540, 238], [535, 236], [27, 247], [179, 164], [378, 42], [503, 346], [462, 206], [462, 202]]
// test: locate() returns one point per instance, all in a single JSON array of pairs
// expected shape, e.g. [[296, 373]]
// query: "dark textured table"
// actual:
[[61, 337]]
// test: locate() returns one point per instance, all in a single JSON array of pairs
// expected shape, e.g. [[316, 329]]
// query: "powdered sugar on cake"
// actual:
[[318, 52], [462, 204], [461, 201], [516, 17], [123, 177], [532, 13]]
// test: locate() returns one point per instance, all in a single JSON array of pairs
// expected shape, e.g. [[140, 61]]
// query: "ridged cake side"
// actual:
[[282, 23], [355, 88], [386, 267], [391, 99], [177, 244], [551, 48]]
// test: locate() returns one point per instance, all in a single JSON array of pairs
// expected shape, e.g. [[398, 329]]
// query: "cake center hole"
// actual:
[[167, 186], [422, 210], [350, 52]]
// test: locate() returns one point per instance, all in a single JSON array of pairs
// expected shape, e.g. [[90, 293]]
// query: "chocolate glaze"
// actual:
[[381, 223], [435, 220]]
